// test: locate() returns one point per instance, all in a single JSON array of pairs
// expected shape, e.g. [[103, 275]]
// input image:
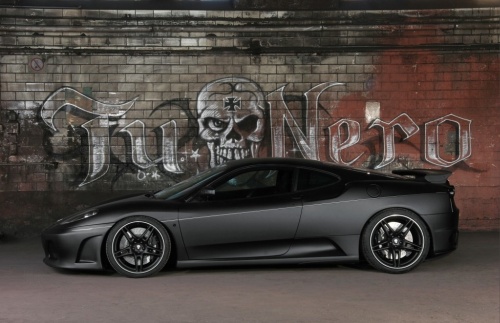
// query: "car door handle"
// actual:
[[297, 197]]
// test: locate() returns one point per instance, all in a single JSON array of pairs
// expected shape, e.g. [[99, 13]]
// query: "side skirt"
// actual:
[[268, 261]]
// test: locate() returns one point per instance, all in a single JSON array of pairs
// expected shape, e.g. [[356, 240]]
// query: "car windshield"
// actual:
[[176, 190]]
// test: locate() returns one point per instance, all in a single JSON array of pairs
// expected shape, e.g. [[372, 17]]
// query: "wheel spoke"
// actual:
[[409, 225], [384, 245], [123, 252], [398, 263], [138, 262], [412, 247], [152, 251], [129, 235], [386, 227], [147, 234], [406, 226], [142, 262], [394, 260]]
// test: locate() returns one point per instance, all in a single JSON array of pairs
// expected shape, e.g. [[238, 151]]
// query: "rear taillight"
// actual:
[[451, 189]]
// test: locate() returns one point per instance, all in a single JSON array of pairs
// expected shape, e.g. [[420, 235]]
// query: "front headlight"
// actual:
[[78, 217]]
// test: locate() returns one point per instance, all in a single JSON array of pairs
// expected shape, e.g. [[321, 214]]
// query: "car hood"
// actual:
[[114, 210], [124, 199]]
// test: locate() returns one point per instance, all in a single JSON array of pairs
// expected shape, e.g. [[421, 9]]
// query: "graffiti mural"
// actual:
[[231, 119], [235, 119]]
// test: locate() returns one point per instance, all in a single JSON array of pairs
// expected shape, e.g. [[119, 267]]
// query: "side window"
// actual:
[[311, 179], [253, 183], [250, 180]]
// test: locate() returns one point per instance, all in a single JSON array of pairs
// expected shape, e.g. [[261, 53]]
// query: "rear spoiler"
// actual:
[[429, 175]]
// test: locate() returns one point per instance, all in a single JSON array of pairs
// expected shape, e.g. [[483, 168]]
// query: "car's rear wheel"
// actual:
[[395, 241], [138, 246]]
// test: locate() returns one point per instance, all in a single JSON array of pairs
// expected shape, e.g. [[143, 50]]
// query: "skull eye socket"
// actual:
[[249, 124], [215, 124]]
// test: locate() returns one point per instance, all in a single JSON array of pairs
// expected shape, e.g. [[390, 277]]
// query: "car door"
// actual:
[[251, 213], [323, 213]]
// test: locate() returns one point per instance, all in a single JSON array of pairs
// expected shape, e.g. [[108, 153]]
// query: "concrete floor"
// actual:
[[461, 287]]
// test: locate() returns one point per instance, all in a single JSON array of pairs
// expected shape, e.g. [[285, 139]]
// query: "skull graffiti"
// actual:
[[231, 118]]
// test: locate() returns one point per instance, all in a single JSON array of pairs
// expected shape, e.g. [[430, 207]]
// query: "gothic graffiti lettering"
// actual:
[[405, 124], [280, 116], [432, 142], [66, 98], [99, 150], [352, 130], [234, 117]]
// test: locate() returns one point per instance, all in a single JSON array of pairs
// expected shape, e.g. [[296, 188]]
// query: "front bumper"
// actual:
[[74, 247]]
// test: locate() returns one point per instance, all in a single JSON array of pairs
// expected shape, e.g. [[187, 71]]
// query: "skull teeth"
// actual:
[[225, 154], [237, 154]]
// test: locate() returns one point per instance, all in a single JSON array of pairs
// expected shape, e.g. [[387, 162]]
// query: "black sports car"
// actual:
[[265, 211]]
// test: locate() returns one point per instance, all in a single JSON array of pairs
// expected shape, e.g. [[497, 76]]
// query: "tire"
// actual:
[[395, 241], [138, 246]]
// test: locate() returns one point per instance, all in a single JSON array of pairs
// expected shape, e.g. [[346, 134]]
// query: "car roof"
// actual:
[[300, 162], [277, 160]]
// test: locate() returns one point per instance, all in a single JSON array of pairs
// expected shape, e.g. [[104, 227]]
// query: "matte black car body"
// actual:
[[313, 212]]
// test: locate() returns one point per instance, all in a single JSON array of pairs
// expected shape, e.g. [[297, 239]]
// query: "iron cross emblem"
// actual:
[[232, 103]]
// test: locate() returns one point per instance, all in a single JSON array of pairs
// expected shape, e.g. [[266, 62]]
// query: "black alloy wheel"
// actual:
[[395, 241], [138, 246]]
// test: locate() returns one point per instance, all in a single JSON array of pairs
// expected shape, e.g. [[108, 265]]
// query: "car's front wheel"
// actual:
[[395, 241], [138, 246]]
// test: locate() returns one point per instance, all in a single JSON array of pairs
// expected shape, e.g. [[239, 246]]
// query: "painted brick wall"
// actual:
[[98, 103]]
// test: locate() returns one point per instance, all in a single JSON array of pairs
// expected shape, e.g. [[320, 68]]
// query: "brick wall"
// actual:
[[95, 103]]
